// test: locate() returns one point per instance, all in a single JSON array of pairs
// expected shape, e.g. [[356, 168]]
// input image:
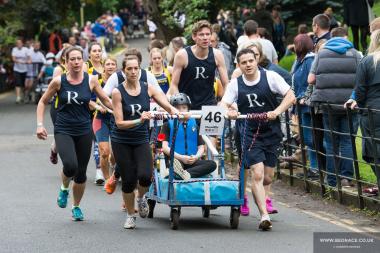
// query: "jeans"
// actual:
[[308, 139], [343, 145]]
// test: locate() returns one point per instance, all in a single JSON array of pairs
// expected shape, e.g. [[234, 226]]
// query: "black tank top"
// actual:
[[197, 79], [133, 106], [73, 113], [258, 99]]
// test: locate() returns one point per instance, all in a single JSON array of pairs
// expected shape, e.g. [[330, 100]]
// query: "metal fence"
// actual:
[[356, 195]]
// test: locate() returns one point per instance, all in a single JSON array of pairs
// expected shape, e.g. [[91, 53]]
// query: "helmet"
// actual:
[[180, 99], [50, 55]]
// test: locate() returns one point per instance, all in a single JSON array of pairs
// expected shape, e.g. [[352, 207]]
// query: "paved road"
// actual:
[[32, 222]]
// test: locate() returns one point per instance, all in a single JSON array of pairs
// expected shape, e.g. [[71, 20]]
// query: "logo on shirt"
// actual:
[[136, 108], [253, 102], [200, 72], [72, 96]]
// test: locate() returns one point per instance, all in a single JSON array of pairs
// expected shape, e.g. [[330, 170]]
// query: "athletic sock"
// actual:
[[63, 188], [265, 217]]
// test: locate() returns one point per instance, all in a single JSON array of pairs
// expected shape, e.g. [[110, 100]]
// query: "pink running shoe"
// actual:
[[270, 208], [244, 209]]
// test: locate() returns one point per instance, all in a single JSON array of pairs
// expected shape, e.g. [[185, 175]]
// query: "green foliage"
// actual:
[[109, 4], [287, 62], [9, 31], [194, 9]]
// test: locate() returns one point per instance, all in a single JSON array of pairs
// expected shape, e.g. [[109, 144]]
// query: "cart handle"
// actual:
[[198, 115], [210, 146]]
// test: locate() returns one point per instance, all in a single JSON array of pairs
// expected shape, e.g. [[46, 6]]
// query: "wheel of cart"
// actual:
[[207, 193]]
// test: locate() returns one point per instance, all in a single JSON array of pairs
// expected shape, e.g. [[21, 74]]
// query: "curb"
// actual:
[[6, 94]]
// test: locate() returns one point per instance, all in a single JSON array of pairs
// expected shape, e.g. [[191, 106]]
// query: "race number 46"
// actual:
[[212, 122]]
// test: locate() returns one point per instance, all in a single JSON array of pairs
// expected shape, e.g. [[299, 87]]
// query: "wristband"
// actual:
[[136, 121], [40, 124]]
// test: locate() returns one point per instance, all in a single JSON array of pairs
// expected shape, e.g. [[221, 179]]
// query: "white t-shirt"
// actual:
[[151, 26], [113, 82], [276, 83], [268, 49], [36, 58], [21, 55]]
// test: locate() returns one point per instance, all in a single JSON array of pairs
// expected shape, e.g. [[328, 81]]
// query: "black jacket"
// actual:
[[356, 12]]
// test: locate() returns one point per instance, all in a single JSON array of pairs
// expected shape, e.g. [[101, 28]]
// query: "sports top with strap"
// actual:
[[197, 79], [92, 71], [73, 113], [258, 99], [163, 78], [133, 107], [103, 116], [55, 98]]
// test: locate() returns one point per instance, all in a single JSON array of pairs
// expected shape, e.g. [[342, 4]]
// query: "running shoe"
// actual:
[[180, 171], [130, 222], [110, 184], [53, 157], [269, 205], [77, 214], [99, 178], [18, 100], [265, 223], [143, 207], [244, 209], [62, 198]]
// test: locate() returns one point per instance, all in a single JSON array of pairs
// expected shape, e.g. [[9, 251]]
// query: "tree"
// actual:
[[162, 13]]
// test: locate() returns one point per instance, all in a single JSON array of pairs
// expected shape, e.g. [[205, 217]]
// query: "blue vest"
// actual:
[[186, 142]]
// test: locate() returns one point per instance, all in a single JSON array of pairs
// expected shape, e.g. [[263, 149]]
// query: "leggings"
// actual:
[[200, 168], [135, 164], [75, 152], [364, 32]]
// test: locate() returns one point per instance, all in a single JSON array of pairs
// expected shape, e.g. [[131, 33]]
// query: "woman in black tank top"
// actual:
[[73, 133], [129, 137]]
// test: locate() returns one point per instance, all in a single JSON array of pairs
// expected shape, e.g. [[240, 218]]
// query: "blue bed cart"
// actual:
[[207, 193]]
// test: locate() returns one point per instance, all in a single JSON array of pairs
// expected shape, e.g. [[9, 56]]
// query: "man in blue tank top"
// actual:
[[255, 92], [194, 68]]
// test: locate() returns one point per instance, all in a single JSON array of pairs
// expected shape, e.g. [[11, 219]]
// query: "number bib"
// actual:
[[212, 122]]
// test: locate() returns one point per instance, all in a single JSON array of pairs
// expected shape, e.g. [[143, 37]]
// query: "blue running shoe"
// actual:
[[77, 214], [62, 198]]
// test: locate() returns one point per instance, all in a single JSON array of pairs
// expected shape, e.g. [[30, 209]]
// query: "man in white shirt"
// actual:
[[20, 59], [34, 71], [250, 33], [255, 92]]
